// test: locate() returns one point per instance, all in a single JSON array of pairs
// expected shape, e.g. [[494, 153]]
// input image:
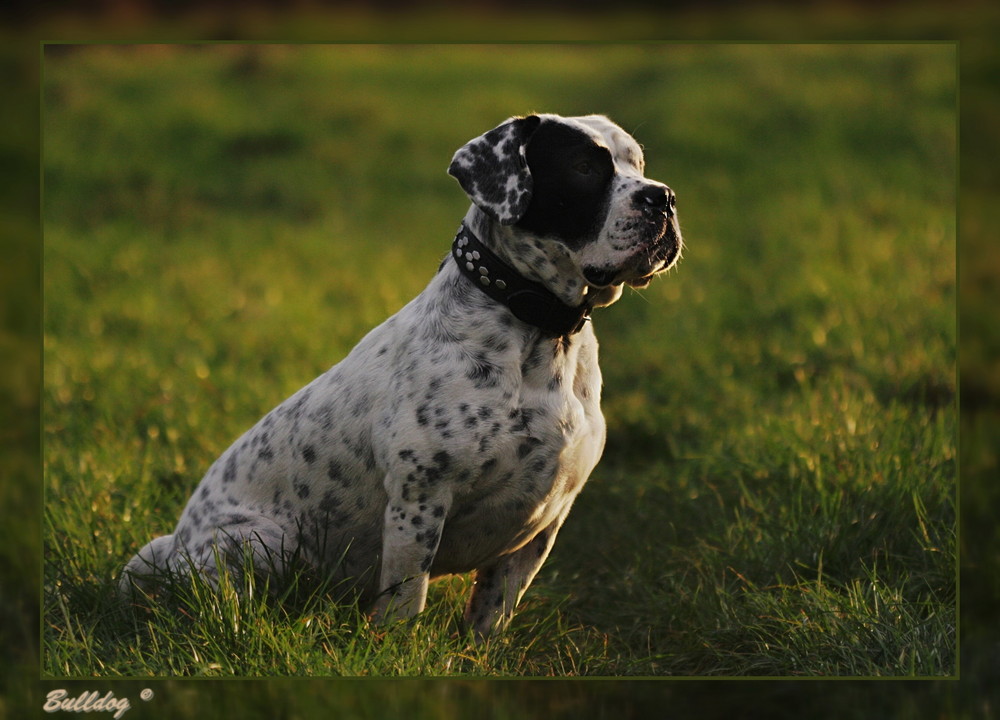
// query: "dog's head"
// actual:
[[575, 187]]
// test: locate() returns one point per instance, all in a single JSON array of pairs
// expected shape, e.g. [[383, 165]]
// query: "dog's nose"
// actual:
[[657, 197]]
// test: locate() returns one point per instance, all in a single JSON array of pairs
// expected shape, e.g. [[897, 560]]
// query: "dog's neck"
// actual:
[[529, 300], [546, 261]]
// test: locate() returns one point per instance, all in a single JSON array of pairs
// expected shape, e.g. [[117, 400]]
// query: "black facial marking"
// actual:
[[572, 177]]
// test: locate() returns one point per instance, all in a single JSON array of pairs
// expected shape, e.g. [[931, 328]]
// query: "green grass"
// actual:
[[777, 496]]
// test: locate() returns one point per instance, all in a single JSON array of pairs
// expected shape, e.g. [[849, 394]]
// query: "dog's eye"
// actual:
[[584, 167]]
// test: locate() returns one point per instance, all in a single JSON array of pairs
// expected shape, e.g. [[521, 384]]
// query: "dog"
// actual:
[[456, 435]]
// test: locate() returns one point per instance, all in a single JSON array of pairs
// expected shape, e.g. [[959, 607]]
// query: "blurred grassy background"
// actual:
[[979, 360]]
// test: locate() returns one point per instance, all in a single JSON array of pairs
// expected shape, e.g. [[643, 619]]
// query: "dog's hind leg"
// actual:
[[229, 545], [254, 538], [154, 560]]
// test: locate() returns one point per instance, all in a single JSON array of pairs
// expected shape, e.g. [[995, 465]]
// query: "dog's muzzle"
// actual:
[[657, 244]]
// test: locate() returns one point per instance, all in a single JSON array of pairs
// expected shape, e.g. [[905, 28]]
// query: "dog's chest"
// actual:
[[523, 446]]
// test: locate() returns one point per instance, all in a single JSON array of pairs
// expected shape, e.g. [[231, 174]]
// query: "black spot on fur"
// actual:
[[229, 474], [330, 502], [522, 419], [309, 454], [482, 372], [542, 539], [496, 343], [296, 408], [526, 446], [539, 466], [432, 539], [422, 418], [442, 459]]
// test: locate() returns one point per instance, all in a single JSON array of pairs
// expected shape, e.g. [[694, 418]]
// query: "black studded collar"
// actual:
[[529, 301]]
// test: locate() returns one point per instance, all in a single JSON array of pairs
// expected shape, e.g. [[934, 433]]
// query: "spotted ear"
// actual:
[[493, 169]]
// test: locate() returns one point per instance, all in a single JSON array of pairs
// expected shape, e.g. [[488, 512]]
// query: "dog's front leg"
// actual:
[[500, 585], [410, 538]]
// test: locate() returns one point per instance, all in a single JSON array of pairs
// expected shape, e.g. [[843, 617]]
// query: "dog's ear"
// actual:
[[493, 169]]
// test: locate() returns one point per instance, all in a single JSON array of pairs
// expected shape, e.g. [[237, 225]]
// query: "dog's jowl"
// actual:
[[457, 434]]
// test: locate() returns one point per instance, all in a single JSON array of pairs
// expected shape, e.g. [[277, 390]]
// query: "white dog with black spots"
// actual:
[[456, 435]]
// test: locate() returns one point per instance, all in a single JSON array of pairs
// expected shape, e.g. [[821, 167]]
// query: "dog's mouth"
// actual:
[[643, 281], [665, 256], [654, 256]]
